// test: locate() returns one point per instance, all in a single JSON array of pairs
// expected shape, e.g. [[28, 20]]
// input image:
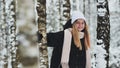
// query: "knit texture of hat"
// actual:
[[77, 15]]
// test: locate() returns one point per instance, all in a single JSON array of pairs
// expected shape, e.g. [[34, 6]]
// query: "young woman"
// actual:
[[71, 46]]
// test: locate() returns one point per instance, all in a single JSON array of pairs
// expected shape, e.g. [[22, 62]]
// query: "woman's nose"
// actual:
[[80, 24]]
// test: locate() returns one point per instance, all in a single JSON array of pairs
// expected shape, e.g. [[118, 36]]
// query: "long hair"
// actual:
[[76, 36]]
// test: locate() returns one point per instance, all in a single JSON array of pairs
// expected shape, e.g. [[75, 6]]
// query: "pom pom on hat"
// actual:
[[77, 15]]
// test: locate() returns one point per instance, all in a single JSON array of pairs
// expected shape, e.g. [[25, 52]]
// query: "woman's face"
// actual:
[[80, 24]]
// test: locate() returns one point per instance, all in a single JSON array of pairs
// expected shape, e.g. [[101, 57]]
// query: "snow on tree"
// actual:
[[100, 54]]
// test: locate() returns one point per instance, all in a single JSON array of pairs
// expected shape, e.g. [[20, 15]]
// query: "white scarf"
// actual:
[[66, 48]]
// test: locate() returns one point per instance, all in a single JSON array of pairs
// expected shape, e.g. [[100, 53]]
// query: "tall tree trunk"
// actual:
[[103, 33], [11, 31], [8, 20], [13, 34], [41, 11], [3, 49], [65, 10], [92, 22], [27, 53], [84, 6]]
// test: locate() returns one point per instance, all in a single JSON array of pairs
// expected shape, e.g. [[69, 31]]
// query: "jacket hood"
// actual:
[[67, 24]]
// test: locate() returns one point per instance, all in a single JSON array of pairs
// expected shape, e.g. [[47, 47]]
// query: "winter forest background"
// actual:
[[20, 20]]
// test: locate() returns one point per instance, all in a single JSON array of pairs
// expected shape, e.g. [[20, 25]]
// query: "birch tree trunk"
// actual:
[[64, 11], [11, 37], [27, 53], [8, 38], [41, 11], [3, 36], [13, 34], [103, 34]]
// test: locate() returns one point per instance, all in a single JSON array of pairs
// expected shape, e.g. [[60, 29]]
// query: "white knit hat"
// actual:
[[77, 15]]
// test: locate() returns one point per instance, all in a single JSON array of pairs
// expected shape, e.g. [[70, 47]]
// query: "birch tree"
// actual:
[[3, 36], [8, 20], [103, 34], [26, 34], [64, 11], [41, 11]]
